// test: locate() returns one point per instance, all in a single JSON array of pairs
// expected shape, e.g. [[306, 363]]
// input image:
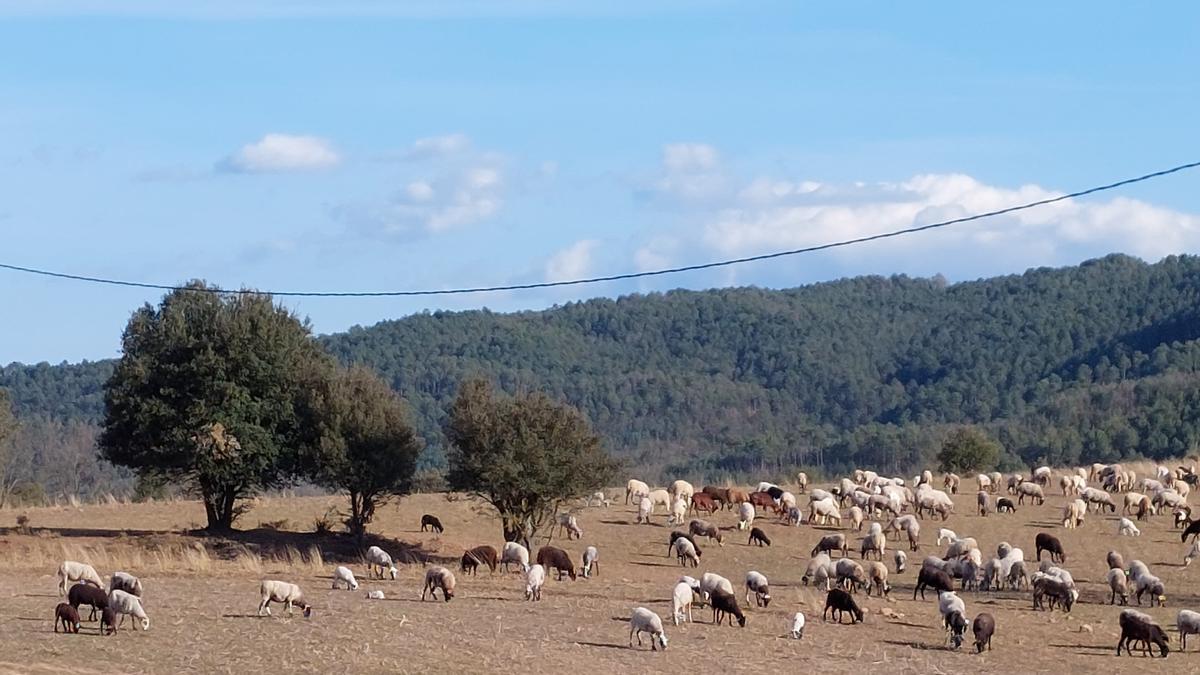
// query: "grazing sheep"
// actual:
[[745, 515], [681, 602], [375, 595], [831, 542], [535, 578], [702, 501], [850, 574], [644, 621], [514, 553], [67, 617], [1139, 627], [87, 594], [960, 547], [1126, 528], [77, 571], [951, 483], [899, 558], [679, 510], [1073, 513], [820, 563], [758, 537], [711, 581], [1051, 544], [983, 627], [636, 489], [660, 497], [1119, 586], [123, 603], [1099, 500], [598, 498], [108, 621], [591, 562], [567, 522], [1031, 490], [1192, 554], [933, 578], [379, 558], [798, 625], [681, 489], [686, 551], [125, 581], [837, 603], [825, 510], [725, 605], [480, 555], [1005, 505], [678, 534], [1188, 623], [945, 535], [554, 558], [1153, 585], [703, 528], [645, 508], [757, 584], [343, 575], [984, 501], [855, 516], [801, 482], [908, 523], [1114, 560], [280, 591], [991, 575], [1053, 589], [873, 542], [877, 576], [431, 522], [439, 578], [954, 617]]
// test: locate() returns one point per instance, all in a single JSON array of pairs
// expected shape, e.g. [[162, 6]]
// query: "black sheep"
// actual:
[[1004, 504], [841, 602], [67, 617], [983, 627], [757, 536], [679, 534], [724, 603], [87, 594], [933, 578], [431, 522], [1050, 543], [1193, 529], [1137, 627], [956, 625], [775, 492]]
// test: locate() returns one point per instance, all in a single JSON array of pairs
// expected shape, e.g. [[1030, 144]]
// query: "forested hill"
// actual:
[[1091, 362]]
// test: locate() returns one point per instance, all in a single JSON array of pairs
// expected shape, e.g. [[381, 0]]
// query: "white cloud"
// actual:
[[283, 152], [438, 146], [689, 157], [690, 172], [431, 206], [573, 262], [419, 191]]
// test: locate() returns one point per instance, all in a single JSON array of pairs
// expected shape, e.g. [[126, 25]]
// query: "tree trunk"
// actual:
[[219, 507], [357, 522]]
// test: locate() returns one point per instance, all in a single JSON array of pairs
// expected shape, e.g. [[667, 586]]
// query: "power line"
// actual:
[[619, 277]]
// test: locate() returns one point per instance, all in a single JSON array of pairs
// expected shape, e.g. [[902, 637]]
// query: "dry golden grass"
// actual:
[[201, 595]]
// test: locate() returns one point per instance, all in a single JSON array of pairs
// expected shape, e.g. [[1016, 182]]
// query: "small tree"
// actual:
[[367, 445], [966, 450], [208, 394], [524, 455]]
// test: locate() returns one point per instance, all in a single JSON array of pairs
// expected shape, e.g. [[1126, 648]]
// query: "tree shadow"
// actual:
[[247, 616], [605, 645], [652, 564]]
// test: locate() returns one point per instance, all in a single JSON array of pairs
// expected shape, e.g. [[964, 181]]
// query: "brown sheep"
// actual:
[[704, 502], [431, 522], [552, 557], [486, 555], [703, 528], [66, 616]]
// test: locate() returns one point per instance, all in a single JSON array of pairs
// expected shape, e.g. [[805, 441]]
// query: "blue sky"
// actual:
[[387, 146]]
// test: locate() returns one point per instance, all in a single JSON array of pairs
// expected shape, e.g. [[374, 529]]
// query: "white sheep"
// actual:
[[635, 489], [819, 570], [281, 591], [1126, 528], [124, 581], [681, 489], [379, 558], [343, 575], [514, 553], [591, 560], [127, 603], [1118, 584], [685, 552], [535, 578], [1188, 623], [660, 497], [681, 602], [711, 581], [757, 584], [439, 578], [77, 571], [900, 558], [1192, 553], [798, 626], [678, 512], [645, 508], [375, 595], [598, 498], [745, 515], [644, 621], [568, 522]]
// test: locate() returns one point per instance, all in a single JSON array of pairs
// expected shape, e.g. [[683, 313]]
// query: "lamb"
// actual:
[[124, 604], [87, 594], [1005, 505], [1192, 530], [679, 510], [745, 515], [77, 571], [375, 595], [877, 576], [439, 578], [899, 558], [67, 617], [535, 578], [1139, 627], [681, 602], [756, 583], [798, 626], [945, 535], [431, 522], [930, 577], [983, 627], [831, 542], [514, 553], [1188, 623], [725, 604], [379, 558], [644, 621], [636, 489], [645, 508], [1119, 586], [598, 498], [703, 528], [1051, 544], [591, 562], [126, 582], [837, 603], [1126, 528], [552, 557], [758, 537], [954, 616], [685, 552], [277, 591], [480, 555], [343, 575]]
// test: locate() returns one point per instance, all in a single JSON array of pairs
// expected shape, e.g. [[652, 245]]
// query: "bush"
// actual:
[[968, 450]]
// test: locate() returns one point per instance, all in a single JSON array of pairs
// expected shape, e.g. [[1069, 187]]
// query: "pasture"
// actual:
[[202, 593]]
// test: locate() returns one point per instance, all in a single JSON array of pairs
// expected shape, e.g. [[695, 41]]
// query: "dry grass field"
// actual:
[[201, 595]]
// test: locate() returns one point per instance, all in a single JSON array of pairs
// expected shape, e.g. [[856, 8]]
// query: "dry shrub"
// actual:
[[281, 524], [23, 526]]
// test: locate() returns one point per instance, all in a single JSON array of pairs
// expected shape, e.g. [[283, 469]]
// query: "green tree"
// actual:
[[525, 455], [11, 461], [367, 445], [967, 450], [209, 393]]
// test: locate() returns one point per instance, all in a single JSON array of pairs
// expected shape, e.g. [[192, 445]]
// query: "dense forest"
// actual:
[[1089, 363]]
